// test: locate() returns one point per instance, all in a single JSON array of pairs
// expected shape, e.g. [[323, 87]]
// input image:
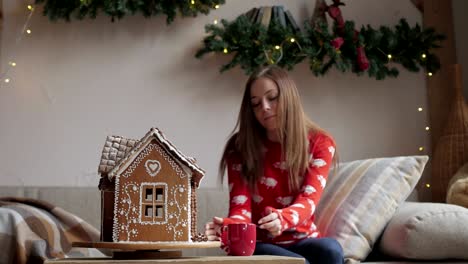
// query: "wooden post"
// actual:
[[1, 34], [438, 14]]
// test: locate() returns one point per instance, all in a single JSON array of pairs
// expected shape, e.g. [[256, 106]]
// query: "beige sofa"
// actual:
[[85, 203]]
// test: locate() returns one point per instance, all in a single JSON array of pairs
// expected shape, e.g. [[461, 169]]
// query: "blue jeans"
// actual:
[[314, 250]]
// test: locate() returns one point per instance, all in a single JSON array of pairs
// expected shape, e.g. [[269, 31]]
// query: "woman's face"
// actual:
[[264, 100]]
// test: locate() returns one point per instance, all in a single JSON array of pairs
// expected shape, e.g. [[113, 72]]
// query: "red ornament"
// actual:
[[337, 42], [335, 13], [362, 61]]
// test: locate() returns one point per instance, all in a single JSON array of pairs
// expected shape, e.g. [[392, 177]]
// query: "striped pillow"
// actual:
[[360, 200]]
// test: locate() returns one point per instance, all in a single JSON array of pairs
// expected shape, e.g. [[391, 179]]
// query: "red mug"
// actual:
[[239, 239]]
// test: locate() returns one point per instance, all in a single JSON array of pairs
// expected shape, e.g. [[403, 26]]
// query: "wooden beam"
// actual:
[[1, 34], [438, 14]]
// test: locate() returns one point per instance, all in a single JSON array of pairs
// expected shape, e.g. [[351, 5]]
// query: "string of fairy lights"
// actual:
[[25, 31], [421, 148]]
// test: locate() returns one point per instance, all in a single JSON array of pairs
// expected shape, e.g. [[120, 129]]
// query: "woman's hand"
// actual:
[[271, 222], [213, 229]]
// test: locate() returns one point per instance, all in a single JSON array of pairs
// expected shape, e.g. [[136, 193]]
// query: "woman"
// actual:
[[277, 163]]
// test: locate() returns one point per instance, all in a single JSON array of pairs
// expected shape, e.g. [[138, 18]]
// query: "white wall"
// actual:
[[460, 7], [77, 82]]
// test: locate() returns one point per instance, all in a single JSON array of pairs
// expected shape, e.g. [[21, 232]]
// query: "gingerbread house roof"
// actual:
[[130, 154], [114, 151]]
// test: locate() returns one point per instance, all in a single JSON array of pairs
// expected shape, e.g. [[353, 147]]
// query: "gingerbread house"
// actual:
[[148, 190]]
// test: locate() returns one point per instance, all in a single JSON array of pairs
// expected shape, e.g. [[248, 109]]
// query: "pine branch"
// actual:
[[117, 9]]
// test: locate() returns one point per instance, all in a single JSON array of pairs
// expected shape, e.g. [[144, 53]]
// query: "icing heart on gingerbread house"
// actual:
[[152, 167]]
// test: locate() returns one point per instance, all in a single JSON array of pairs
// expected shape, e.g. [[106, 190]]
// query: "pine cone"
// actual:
[[200, 238]]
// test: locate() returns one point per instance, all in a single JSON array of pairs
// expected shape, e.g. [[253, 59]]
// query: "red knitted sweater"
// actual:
[[295, 210]]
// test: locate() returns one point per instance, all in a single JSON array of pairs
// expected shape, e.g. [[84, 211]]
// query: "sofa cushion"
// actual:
[[427, 231], [457, 192], [361, 197]]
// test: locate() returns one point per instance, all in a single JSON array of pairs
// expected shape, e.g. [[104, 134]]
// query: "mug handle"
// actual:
[[224, 238]]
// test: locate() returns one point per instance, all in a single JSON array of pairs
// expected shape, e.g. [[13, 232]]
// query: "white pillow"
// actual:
[[361, 198], [427, 231]]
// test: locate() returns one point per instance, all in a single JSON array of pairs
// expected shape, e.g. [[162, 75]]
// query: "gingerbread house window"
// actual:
[[153, 203]]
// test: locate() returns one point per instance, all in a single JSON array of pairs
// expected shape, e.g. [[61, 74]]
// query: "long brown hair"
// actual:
[[293, 129]]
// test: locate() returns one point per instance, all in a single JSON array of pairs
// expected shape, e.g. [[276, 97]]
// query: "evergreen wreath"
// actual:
[[269, 35], [80, 9]]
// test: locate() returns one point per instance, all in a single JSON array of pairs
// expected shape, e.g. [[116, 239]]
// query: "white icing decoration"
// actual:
[[152, 167], [176, 213], [145, 153]]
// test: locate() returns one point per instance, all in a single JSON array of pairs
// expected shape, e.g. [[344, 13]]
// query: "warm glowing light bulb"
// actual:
[[215, 21], [225, 50], [429, 74], [421, 148], [428, 185], [427, 128], [420, 109], [30, 7], [423, 56], [292, 40], [193, 2], [28, 31], [12, 63], [389, 56], [7, 80], [277, 47], [216, 6]]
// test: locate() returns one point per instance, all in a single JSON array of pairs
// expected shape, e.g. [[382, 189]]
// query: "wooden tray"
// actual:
[[125, 250], [147, 246]]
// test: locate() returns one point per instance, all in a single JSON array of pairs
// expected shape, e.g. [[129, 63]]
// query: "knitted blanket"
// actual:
[[32, 231]]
